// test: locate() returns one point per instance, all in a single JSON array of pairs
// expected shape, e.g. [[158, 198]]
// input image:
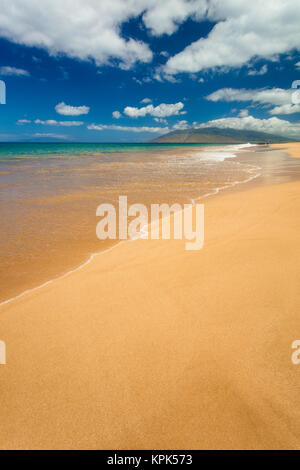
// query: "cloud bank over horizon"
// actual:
[[271, 125]]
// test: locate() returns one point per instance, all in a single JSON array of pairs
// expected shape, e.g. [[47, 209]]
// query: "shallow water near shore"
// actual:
[[49, 195]]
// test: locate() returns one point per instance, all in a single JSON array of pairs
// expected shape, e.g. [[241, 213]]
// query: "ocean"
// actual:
[[16, 150]]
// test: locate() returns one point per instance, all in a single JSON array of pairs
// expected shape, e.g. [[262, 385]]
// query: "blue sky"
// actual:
[[158, 66]]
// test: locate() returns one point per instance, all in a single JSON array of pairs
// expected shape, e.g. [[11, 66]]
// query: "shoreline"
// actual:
[[291, 149], [215, 192]]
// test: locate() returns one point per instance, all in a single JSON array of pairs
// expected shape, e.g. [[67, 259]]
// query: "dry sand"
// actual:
[[293, 148], [153, 347]]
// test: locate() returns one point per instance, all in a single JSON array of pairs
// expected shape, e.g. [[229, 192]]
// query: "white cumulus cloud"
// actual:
[[181, 125], [7, 70], [261, 95], [85, 30], [278, 97], [286, 109], [262, 71], [67, 110], [161, 120], [146, 101], [160, 111], [163, 17], [53, 122], [243, 113], [243, 31], [23, 121], [116, 114], [101, 127]]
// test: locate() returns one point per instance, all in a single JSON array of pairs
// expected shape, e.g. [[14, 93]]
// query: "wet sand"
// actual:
[[150, 346]]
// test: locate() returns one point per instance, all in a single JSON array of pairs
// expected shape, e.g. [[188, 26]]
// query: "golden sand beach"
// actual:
[[150, 346]]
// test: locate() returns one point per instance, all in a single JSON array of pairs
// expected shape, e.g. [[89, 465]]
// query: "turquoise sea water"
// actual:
[[11, 151]]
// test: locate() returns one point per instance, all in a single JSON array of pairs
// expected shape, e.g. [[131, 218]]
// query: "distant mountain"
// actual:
[[216, 135]]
